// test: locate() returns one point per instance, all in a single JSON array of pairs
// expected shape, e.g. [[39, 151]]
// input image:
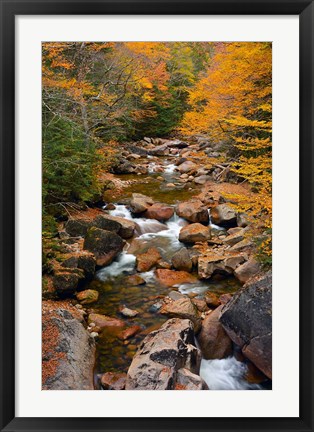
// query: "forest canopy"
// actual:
[[96, 95]]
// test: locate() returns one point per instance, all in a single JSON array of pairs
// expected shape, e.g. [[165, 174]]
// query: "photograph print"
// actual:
[[156, 215]]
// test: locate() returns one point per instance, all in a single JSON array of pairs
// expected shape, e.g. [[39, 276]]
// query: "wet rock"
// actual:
[[183, 308], [77, 227], [129, 313], [177, 144], [113, 381], [202, 179], [107, 224], [163, 265], [87, 297], [214, 341], [212, 299], [175, 295], [140, 203], [134, 280], [227, 264], [125, 167], [173, 277], [106, 245], [193, 211], [103, 321], [200, 304], [160, 212], [247, 318], [181, 260], [186, 380], [110, 206], [195, 232], [137, 150], [187, 166], [162, 353], [223, 215], [68, 351], [247, 270], [127, 227], [129, 332], [160, 150], [147, 260]]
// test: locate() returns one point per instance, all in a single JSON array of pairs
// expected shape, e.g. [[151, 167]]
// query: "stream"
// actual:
[[115, 355]]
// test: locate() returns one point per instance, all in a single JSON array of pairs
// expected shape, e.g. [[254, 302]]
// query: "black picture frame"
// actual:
[[9, 9]]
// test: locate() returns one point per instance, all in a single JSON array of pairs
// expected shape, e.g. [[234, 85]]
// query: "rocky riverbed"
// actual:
[[158, 286]]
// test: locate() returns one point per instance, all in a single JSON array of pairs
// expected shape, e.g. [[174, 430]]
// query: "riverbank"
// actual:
[[165, 248]]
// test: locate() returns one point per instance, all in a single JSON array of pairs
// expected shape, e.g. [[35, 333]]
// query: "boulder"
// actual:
[[147, 260], [113, 381], [213, 340], [77, 227], [173, 277], [223, 215], [87, 296], [161, 354], [66, 282], [160, 150], [103, 321], [187, 166], [183, 308], [226, 264], [242, 220], [193, 233], [140, 203], [125, 167], [247, 270], [235, 238], [193, 211], [127, 227], [243, 245], [160, 212], [200, 304], [86, 261], [247, 318], [107, 224], [106, 245], [177, 144], [181, 260], [202, 179], [186, 380], [68, 351]]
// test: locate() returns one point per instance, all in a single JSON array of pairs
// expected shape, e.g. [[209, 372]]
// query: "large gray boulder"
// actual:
[[247, 319], [162, 354], [68, 351], [223, 215]]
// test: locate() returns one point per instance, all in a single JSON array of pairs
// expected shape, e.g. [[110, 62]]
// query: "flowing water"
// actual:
[[114, 354]]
